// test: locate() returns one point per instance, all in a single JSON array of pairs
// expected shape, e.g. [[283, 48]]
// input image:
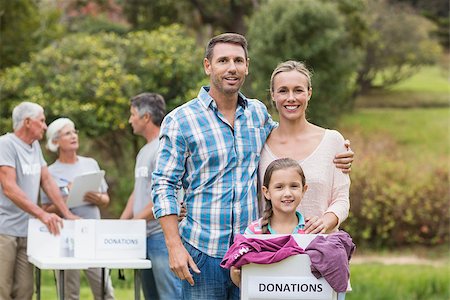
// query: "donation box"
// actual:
[[290, 278], [89, 239]]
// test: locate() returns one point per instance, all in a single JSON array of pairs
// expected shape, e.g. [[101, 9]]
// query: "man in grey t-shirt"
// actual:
[[147, 112], [22, 171]]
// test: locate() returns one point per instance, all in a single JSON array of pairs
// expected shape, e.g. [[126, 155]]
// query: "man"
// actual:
[[211, 146], [22, 171], [146, 114]]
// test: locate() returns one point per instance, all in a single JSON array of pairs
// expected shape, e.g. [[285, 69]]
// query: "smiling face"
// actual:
[[291, 94], [67, 139], [226, 69], [285, 190]]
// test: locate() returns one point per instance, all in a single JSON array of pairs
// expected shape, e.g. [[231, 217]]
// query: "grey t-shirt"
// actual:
[[27, 161], [65, 173], [145, 164]]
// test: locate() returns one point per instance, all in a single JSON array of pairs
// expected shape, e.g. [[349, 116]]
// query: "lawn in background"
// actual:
[[123, 289], [431, 79], [429, 87], [417, 134], [369, 281], [399, 282]]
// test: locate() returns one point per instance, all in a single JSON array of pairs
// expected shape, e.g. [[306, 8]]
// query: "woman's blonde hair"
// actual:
[[291, 65]]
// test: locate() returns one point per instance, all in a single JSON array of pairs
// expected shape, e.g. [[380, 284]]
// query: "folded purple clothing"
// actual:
[[330, 256]]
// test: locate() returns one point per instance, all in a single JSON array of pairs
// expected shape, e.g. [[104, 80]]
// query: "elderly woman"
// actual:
[[62, 137]]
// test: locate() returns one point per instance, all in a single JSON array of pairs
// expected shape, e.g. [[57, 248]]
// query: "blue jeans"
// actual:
[[212, 283], [159, 282]]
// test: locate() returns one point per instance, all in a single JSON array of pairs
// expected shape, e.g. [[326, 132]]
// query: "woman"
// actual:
[[62, 137], [326, 202]]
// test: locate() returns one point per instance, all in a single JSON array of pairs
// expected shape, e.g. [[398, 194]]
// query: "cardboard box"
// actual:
[[89, 239], [84, 237], [290, 278], [120, 238], [41, 243]]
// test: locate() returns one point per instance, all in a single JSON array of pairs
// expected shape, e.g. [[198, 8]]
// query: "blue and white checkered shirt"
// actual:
[[216, 165]]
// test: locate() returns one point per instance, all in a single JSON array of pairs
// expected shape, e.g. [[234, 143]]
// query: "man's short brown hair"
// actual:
[[229, 38]]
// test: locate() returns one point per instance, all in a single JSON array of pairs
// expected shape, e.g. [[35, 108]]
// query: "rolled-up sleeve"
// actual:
[[170, 168]]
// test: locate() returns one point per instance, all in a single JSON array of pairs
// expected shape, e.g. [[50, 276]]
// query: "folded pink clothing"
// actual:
[[260, 251]]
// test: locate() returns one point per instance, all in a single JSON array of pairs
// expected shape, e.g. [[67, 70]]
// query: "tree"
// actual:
[[93, 16], [204, 17], [25, 27], [91, 78], [400, 42], [436, 11], [314, 32]]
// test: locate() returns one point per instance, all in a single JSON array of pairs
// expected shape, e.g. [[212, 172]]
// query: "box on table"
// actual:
[[89, 239], [106, 239], [290, 278], [41, 243]]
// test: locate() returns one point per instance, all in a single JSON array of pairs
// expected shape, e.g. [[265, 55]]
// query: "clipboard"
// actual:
[[89, 182]]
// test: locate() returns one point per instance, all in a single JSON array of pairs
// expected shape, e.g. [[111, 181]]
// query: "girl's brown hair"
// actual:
[[278, 164]]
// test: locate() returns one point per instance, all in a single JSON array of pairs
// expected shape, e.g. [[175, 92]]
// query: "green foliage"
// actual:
[[80, 77], [393, 282], [394, 205], [166, 61], [91, 25], [436, 11], [199, 15], [24, 28], [18, 19], [400, 42], [400, 180], [314, 32], [90, 78]]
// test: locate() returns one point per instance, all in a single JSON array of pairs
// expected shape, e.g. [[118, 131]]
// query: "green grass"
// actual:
[[398, 282], [429, 87], [433, 79], [416, 133], [402, 99], [369, 282], [123, 289]]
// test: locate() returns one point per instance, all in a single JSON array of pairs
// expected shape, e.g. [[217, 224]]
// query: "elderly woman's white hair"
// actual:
[[53, 132], [25, 110]]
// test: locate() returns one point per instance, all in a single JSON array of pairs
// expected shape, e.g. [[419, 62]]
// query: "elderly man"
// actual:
[[22, 171]]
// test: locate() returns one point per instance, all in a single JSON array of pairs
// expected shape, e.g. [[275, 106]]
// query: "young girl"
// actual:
[[283, 189]]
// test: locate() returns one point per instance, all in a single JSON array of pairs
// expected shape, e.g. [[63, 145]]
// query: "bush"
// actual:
[[90, 78], [392, 204]]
